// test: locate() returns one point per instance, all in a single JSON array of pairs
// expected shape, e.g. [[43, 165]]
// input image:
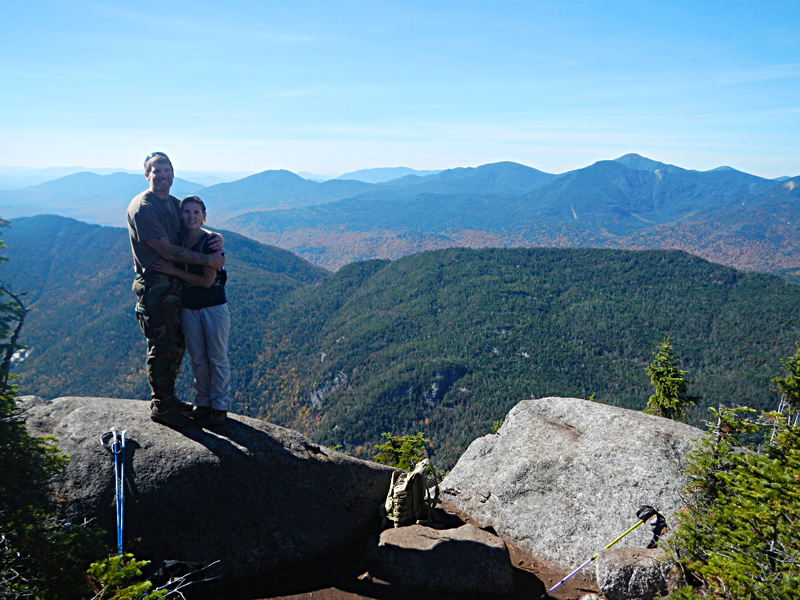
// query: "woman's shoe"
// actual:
[[217, 418], [201, 412]]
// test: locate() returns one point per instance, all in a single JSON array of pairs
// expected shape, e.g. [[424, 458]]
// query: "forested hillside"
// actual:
[[446, 342], [442, 342], [81, 331], [761, 232]]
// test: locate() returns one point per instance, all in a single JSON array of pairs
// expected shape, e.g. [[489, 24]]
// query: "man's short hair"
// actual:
[[153, 158]]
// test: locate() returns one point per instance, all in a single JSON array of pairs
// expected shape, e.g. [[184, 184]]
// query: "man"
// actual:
[[153, 225]]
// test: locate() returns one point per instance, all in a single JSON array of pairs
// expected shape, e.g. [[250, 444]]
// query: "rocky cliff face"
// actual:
[[255, 496], [563, 477]]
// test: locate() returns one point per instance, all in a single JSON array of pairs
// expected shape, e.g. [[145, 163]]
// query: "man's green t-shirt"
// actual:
[[150, 218]]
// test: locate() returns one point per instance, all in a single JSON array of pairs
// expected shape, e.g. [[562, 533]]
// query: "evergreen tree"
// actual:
[[401, 452], [120, 578], [789, 386], [670, 399], [738, 537]]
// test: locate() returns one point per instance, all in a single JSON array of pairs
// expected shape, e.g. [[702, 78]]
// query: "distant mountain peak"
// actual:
[[641, 163], [501, 167], [383, 174], [275, 174]]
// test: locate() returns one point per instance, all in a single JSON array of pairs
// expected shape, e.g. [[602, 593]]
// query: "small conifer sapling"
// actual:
[[401, 452], [670, 399]]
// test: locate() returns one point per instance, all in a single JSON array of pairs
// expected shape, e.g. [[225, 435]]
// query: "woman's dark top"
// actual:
[[195, 296]]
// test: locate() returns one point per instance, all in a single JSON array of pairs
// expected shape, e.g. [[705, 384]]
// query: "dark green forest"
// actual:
[[442, 342], [446, 342]]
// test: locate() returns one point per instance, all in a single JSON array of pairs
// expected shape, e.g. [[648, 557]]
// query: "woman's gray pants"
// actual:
[[206, 332]]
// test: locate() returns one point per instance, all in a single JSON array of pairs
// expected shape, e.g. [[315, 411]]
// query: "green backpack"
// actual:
[[409, 499]]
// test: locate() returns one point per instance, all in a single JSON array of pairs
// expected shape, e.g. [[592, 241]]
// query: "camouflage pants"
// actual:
[[159, 314]]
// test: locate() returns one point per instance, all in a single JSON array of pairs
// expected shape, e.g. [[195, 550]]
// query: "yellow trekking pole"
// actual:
[[644, 514]]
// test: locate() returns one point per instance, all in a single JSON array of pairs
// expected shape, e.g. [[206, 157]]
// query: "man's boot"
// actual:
[[184, 406], [169, 414]]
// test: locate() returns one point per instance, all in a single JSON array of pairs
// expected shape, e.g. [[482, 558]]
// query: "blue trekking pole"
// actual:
[[121, 491], [117, 448]]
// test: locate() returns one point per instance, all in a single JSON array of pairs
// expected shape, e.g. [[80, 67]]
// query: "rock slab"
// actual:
[[563, 477], [255, 496], [635, 574], [466, 560]]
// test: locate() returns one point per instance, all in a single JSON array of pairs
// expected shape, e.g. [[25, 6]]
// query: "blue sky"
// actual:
[[330, 87]]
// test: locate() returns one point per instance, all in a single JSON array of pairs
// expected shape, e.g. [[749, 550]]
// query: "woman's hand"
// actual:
[[164, 266], [216, 242]]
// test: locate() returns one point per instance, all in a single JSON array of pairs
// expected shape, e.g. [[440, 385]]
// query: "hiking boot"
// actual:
[[201, 412], [170, 415], [184, 406], [217, 418], [179, 404]]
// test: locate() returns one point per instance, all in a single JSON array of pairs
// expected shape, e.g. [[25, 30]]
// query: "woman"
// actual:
[[205, 318]]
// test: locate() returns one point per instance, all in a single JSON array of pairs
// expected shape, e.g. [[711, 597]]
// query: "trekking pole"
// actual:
[[115, 443], [644, 514], [121, 492], [115, 450]]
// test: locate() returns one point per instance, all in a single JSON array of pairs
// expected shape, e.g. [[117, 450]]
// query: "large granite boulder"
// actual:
[[465, 560], [255, 496], [563, 477]]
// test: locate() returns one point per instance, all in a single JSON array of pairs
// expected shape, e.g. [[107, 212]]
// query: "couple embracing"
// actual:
[[180, 285]]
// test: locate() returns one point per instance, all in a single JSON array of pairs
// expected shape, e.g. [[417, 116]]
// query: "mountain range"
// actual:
[[276, 189], [725, 215], [15, 178], [441, 342], [85, 196]]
